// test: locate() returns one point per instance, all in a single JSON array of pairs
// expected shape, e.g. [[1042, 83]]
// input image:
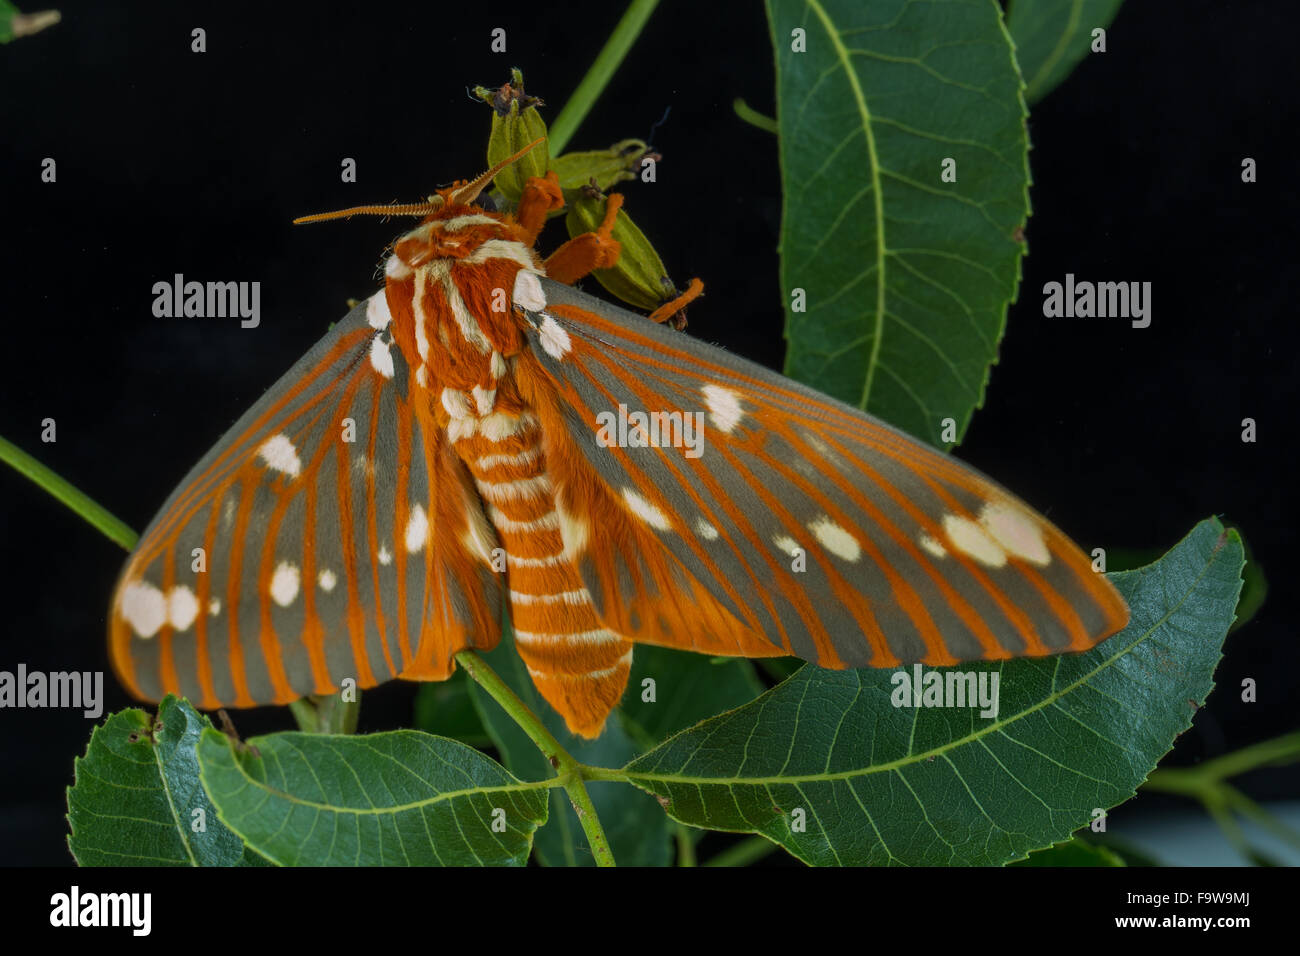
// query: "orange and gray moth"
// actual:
[[444, 453]]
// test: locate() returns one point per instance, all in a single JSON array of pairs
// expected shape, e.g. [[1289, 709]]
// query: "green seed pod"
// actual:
[[603, 167], [639, 277], [515, 123]]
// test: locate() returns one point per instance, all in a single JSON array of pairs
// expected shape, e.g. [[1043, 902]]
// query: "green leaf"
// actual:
[[639, 833], [688, 688], [907, 278], [137, 790], [882, 784], [1074, 852], [1052, 37], [400, 798], [445, 708]]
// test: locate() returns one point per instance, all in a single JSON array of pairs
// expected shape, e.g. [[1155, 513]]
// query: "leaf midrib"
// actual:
[[446, 795], [873, 164]]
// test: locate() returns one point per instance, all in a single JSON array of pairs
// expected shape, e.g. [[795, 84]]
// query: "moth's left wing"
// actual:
[[790, 523], [331, 534]]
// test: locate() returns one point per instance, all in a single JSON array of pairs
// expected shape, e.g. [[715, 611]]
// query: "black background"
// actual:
[[170, 161]]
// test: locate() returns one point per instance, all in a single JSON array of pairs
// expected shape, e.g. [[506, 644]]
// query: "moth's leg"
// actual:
[[668, 311], [591, 250], [541, 195]]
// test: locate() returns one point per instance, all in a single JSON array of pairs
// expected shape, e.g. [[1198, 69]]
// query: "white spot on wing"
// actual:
[[498, 365], [705, 530], [724, 407], [1016, 532], [970, 539], [646, 511], [284, 583], [377, 313], [787, 544], [214, 608], [554, 339], [327, 579], [574, 530], [417, 529], [381, 360], [144, 607], [385, 556], [182, 607], [528, 291], [278, 453], [835, 538], [933, 546]]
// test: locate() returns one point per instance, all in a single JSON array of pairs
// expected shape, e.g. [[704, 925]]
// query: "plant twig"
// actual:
[[92, 511], [568, 770], [753, 117], [607, 61], [743, 853]]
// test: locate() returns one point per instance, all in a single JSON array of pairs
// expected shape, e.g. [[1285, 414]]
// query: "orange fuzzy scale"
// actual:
[[449, 297]]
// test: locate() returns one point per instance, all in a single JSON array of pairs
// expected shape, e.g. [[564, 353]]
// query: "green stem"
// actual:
[[1198, 780], [304, 713], [685, 846], [326, 714], [607, 61], [114, 528], [568, 770], [753, 117], [743, 853]]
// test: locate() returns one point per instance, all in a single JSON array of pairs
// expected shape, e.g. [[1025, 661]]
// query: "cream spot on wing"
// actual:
[[422, 377], [327, 579], [835, 538], [182, 607], [417, 529], [284, 583], [381, 360], [574, 530], [395, 268], [214, 608], [724, 407], [498, 365], [787, 544], [646, 511], [279, 454], [705, 530], [144, 607], [554, 339], [1016, 532], [478, 534], [528, 291], [385, 556], [377, 313], [970, 539], [931, 545]]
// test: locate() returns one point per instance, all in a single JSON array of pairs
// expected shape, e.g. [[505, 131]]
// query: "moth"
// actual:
[[445, 454]]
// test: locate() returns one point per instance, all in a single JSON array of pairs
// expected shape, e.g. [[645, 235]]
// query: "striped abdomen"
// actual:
[[579, 666]]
